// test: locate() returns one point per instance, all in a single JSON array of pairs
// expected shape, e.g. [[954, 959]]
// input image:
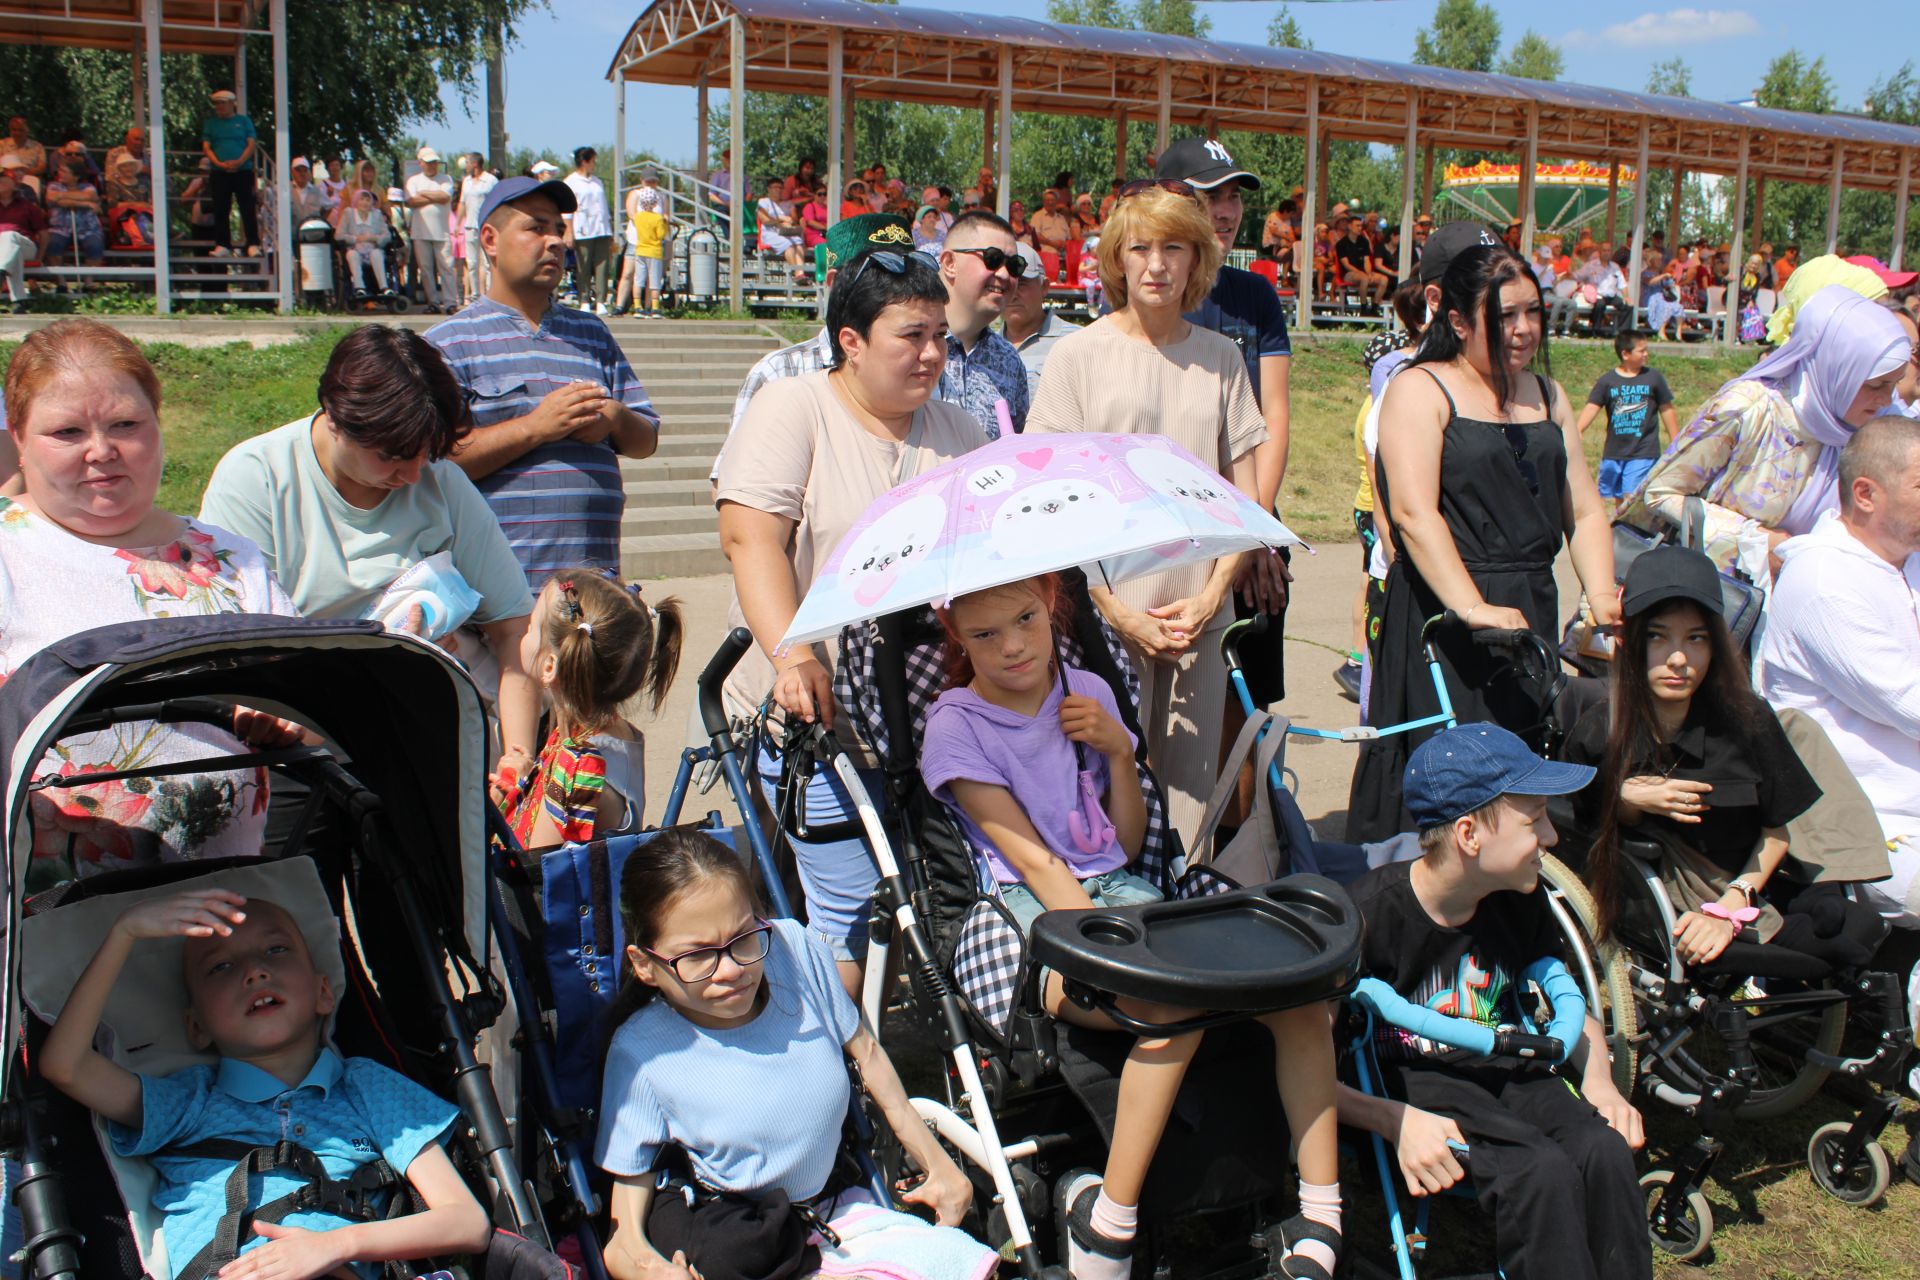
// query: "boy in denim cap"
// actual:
[[1450, 931], [255, 997]]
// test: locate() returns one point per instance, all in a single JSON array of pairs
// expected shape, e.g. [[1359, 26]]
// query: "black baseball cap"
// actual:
[[511, 189], [1202, 163], [1672, 573], [1447, 242]]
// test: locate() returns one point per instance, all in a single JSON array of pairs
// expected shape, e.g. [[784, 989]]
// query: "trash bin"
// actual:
[[703, 264], [316, 260]]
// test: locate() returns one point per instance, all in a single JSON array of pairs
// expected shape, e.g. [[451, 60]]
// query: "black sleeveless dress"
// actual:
[[1503, 495]]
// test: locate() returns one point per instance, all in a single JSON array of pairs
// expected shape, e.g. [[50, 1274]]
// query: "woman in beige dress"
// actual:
[[1144, 369]]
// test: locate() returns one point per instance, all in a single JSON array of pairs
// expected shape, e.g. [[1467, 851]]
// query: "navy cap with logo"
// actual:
[[1672, 573], [1448, 242], [511, 189], [1202, 163], [1461, 769]]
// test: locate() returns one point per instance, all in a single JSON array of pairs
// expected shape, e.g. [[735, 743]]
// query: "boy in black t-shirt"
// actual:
[[1358, 268], [1452, 930], [1632, 395]]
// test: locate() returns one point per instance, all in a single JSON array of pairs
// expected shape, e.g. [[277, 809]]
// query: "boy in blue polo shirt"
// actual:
[[255, 998], [1551, 1153]]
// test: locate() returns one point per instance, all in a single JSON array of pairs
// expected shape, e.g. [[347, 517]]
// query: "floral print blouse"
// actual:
[[52, 585], [1744, 453]]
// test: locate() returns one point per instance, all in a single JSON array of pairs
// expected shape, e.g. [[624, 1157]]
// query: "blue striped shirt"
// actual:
[[560, 504]]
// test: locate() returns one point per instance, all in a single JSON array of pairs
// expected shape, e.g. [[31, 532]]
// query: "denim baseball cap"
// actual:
[[1458, 770], [511, 189]]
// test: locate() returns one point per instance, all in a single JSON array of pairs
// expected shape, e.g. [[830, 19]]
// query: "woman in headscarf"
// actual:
[[1765, 447]]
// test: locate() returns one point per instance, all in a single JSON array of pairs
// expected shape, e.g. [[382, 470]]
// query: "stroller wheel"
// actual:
[[1861, 1183], [1683, 1235]]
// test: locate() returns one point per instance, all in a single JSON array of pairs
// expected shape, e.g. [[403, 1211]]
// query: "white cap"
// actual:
[[427, 155], [1031, 256], [224, 95], [542, 166], [300, 162]]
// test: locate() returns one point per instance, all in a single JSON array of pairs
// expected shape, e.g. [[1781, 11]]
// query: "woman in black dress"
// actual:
[[1482, 474]]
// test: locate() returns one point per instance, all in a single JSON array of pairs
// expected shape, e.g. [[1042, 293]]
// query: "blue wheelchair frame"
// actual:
[[1376, 1003]]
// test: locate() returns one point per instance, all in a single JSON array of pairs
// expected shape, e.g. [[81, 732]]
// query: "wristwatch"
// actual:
[[1746, 887]]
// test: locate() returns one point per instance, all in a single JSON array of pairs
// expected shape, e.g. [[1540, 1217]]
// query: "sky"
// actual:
[[558, 97]]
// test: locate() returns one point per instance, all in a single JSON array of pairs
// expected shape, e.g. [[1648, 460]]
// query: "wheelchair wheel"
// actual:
[[1787, 1080], [1685, 1235], [1862, 1183], [1601, 967]]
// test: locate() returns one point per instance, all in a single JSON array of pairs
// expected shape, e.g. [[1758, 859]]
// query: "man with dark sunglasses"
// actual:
[[979, 267]]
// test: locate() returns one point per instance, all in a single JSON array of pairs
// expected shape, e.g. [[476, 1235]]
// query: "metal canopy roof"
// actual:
[[953, 59], [186, 26]]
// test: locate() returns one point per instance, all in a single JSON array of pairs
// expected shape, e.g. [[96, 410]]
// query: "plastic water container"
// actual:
[[316, 256]]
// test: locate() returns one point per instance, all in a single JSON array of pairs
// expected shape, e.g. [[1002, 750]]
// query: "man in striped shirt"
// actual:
[[555, 404]]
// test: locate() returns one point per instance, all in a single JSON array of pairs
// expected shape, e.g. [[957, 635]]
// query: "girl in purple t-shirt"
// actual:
[[1031, 757]]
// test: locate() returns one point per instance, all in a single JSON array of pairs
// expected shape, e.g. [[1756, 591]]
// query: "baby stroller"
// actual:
[[1026, 1099], [385, 844]]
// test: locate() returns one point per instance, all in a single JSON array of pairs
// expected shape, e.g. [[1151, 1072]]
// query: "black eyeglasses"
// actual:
[[893, 263], [1517, 443], [701, 963], [993, 258], [1175, 185]]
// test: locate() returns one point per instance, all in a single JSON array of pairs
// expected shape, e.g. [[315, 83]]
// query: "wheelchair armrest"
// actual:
[[1293, 942], [1639, 849]]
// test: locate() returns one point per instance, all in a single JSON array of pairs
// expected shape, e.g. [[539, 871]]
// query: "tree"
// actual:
[[1534, 57], [1794, 84], [359, 70], [1284, 33], [1672, 77], [1465, 35], [1897, 98]]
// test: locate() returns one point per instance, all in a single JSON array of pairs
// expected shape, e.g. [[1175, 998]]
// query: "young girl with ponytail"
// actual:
[[592, 644]]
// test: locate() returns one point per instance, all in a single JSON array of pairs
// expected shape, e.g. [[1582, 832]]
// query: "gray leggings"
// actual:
[[591, 259]]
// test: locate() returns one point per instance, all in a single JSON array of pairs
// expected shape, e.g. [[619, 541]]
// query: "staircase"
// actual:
[[692, 370]]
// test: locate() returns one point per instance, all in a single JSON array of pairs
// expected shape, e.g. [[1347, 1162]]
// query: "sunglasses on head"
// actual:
[[993, 258], [1175, 185], [893, 263]]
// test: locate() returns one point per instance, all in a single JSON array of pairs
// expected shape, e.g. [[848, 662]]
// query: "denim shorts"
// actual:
[[1622, 477], [1117, 888], [838, 876]]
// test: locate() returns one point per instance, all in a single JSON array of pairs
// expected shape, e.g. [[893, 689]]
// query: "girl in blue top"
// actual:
[[740, 1062], [1031, 756]]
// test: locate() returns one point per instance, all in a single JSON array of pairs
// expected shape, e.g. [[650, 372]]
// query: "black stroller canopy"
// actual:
[[401, 714]]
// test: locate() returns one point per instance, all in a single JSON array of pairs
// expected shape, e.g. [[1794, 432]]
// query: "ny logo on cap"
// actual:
[[1218, 152]]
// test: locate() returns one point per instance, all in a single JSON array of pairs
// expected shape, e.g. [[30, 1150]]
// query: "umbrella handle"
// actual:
[[1090, 833], [1004, 416]]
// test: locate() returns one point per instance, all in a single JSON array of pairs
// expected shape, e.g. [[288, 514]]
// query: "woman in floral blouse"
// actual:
[[85, 547], [1763, 450]]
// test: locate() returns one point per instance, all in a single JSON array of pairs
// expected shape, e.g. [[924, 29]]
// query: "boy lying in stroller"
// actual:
[[1453, 931], [1031, 756], [258, 1001]]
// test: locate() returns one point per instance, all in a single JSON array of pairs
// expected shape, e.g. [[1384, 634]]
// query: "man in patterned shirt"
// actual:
[[979, 265], [555, 404]]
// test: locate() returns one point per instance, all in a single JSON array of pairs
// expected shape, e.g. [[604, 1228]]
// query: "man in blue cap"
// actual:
[[555, 403], [1551, 1149]]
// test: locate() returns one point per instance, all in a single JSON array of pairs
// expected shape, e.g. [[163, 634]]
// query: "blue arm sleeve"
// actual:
[[1390, 1006], [1563, 993]]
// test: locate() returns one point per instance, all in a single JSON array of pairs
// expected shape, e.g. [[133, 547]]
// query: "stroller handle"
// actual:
[[713, 711], [1236, 632]]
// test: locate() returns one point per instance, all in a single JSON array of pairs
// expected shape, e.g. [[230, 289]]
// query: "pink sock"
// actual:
[[1320, 1202]]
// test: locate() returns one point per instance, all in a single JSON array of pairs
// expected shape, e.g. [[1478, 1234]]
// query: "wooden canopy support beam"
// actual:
[[1902, 197], [1412, 149], [1529, 166], [836, 125], [1737, 259], [739, 199], [1639, 216]]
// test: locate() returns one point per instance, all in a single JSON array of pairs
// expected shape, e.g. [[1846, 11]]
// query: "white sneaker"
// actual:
[[599, 308]]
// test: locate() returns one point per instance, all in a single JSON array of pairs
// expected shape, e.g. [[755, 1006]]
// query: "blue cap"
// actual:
[[1458, 770], [511, 189]]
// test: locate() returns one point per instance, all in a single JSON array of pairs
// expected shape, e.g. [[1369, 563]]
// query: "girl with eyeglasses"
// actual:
[[730, 1045], [1483, 479]]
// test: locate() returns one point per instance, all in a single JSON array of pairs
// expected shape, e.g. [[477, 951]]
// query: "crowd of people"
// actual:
[[465, 485]]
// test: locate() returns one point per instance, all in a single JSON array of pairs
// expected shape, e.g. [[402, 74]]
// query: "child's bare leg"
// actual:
[[1303, 1068]]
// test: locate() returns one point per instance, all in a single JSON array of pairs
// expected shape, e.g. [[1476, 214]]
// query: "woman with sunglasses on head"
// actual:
[[1482, 475], [727, 1068], [810, 453], [1143, 369]]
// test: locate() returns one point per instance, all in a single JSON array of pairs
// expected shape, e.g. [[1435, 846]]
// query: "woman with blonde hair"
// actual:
[[1144, 369]]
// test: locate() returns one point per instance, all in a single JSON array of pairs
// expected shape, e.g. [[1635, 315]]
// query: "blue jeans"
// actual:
[[1117, 888], [838, 876], [60, 245]]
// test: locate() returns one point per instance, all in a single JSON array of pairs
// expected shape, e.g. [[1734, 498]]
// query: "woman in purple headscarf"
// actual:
[[1765, 446]]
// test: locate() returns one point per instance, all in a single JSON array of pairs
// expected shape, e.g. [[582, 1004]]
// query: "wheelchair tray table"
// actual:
[[1275, 946]]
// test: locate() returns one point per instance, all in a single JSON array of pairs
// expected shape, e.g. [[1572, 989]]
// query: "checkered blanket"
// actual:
[[989, 954]]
